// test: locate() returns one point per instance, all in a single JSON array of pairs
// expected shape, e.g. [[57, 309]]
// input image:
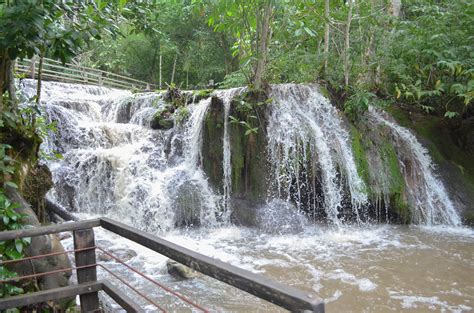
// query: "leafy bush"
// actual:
[[431, 59]]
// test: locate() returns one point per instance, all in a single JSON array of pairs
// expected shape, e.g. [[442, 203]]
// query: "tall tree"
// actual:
[[347, 31], [251, 23]]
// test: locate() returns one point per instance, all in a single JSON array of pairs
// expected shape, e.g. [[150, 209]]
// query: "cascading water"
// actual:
[[115, 165], [227, 96], [307, 135], [431, 203]]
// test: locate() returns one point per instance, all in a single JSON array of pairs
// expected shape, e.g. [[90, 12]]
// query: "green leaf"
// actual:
[[450, 114], [11, 184], [19, 245]]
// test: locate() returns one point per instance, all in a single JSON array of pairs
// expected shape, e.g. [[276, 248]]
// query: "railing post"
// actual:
[[84, 238]]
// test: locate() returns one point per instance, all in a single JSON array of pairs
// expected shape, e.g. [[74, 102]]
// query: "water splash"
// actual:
[[431, 204]]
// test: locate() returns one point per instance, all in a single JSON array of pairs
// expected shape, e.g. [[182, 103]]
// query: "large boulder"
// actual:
[[41, 245]]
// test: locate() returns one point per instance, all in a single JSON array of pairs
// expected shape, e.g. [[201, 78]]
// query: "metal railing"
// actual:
[[72, 73], [88, 286]]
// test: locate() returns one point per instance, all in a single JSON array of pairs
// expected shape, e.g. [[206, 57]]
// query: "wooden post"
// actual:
[[84, 238]]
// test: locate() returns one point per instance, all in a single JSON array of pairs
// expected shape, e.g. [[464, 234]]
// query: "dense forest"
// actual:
[[412, 58]]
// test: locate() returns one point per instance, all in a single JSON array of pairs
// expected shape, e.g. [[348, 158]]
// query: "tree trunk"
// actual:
[[3, 78], [40, 76], [174, 68], [347, 44], [326, 37], [10, 75], [161, 62], [262, 44], [153, 64], [38, 90]]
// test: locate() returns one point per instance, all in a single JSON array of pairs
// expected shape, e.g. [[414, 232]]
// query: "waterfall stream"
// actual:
[[303, 125], [115, 165], [432, 203]]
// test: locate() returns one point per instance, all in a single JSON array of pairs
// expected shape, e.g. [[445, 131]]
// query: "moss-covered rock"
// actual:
[[212, 152], [36, 184], [162, 120], [248, 161], [377, 163]]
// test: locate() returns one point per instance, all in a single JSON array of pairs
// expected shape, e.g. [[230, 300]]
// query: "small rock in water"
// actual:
[[123, 254], [65, 235], [179, 270]]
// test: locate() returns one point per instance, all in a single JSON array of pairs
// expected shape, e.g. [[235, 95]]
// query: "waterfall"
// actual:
[[227, 96], [306, 135], [431, 204], [115, 165]]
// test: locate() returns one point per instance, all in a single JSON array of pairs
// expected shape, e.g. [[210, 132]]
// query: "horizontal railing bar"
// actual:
[[90, 76], [81, 80], [44, 255], [48, 295], [46, 230], [71, 291], [279, 294], [121, 298], [83, 69], [98, 80], [46, 76]]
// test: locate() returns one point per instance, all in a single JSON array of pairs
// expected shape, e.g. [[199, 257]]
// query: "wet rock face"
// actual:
[[249, 168], [460, 190], [123, 115], [35, 186], [187, 203]]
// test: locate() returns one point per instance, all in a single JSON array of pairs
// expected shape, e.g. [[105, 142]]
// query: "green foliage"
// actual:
[[9, 220], [235, 79], [431, 58], [11, 249], [59, 28], [247, 110], [170, 29], [358, 103], [181, 114]]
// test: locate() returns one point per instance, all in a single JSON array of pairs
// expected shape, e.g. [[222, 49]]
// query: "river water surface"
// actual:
[[380, 268]]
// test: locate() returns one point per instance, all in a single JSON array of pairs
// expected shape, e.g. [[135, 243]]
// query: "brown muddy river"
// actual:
[[381, 268]]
